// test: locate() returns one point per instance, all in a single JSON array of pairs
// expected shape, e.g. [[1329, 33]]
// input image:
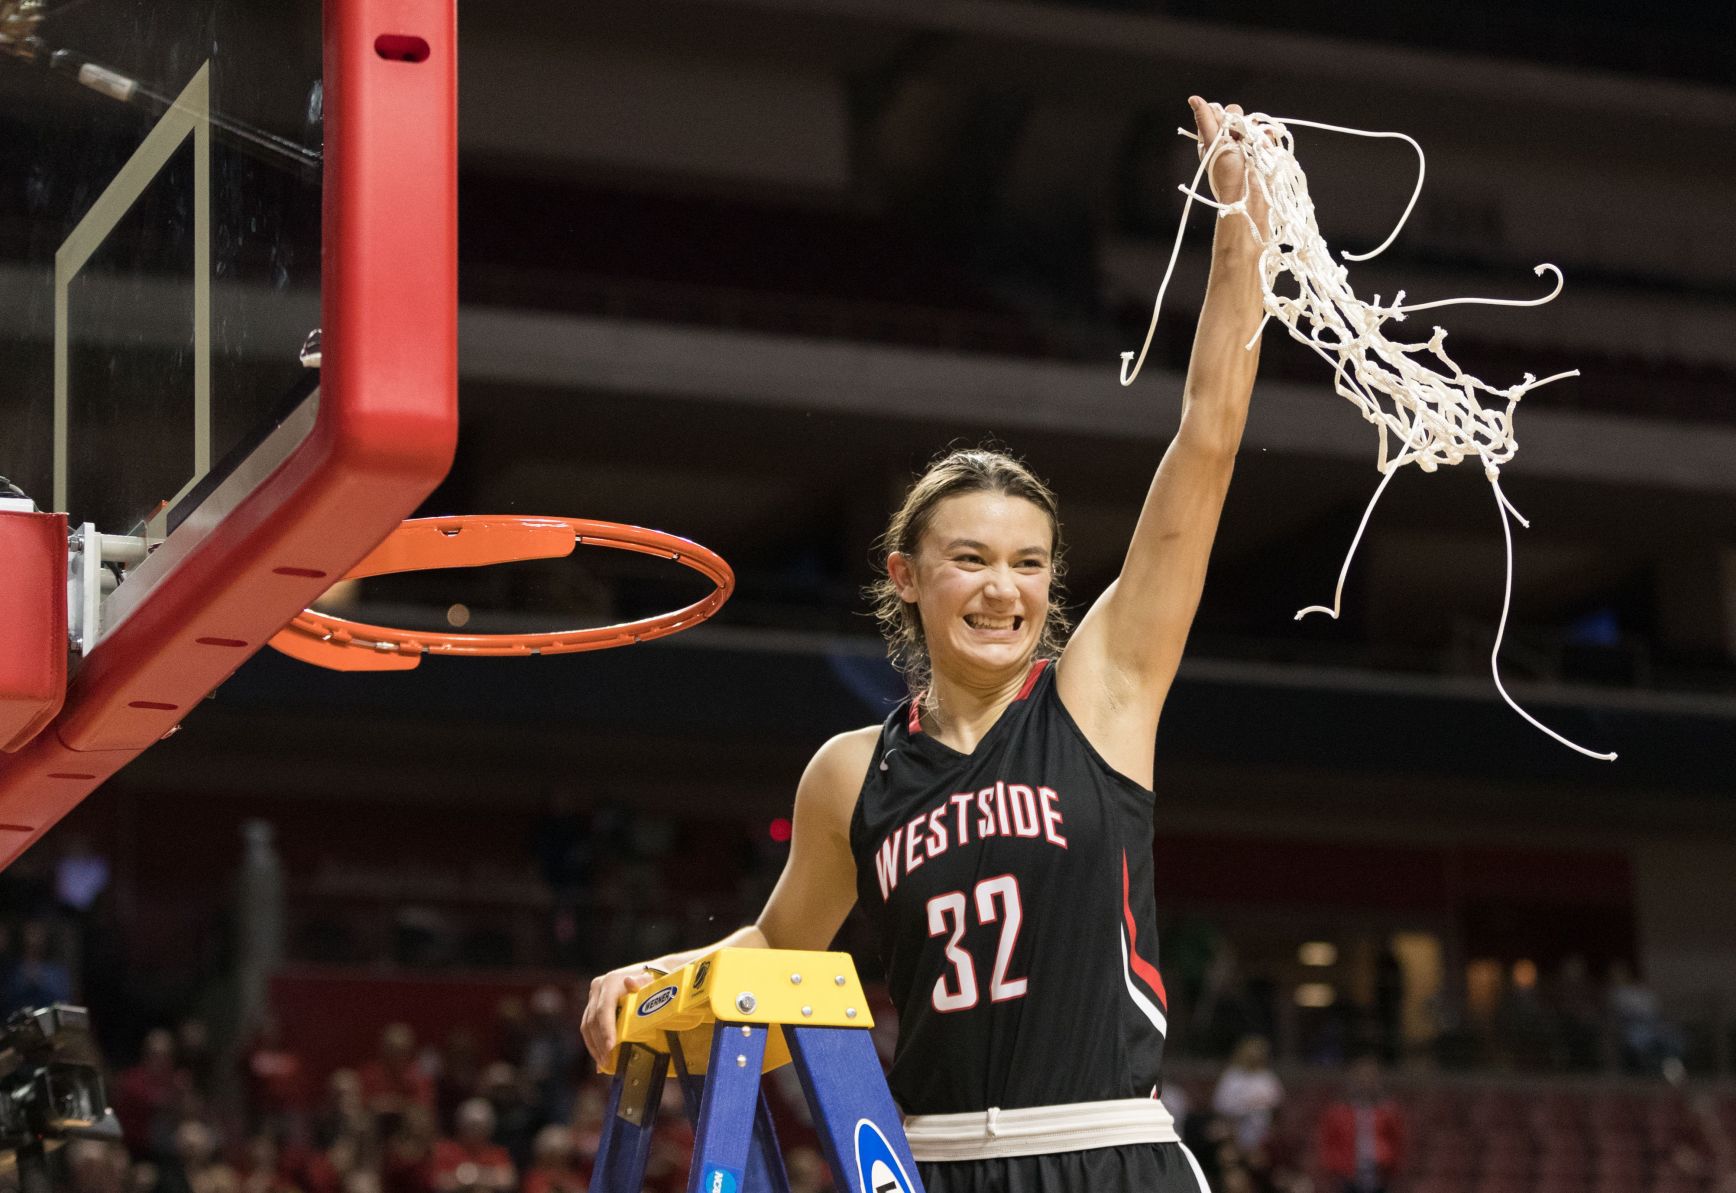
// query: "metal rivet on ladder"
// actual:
[[745, 1003], [741, 1062], [807, 1010], [849, 1012], [795, 979], [746, 1030], [838, 981]]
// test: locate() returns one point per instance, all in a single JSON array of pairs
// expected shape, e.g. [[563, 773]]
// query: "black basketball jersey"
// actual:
[[1012, 890]]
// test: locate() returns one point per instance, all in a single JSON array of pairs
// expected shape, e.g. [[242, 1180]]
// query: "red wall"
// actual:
[[333, 1017]]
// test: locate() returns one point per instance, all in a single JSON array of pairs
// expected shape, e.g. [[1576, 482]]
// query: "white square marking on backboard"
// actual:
[[189, 114]]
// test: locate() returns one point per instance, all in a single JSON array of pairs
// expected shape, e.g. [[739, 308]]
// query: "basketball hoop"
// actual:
[[479, 540]]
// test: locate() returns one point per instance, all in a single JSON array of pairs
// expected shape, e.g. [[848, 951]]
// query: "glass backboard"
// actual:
[[188, 190], [160, 198]]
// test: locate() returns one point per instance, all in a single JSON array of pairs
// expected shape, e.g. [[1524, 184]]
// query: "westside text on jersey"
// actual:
[[1003, 810]]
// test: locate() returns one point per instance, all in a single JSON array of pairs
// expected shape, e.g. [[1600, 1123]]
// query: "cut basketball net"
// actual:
[[1431, 409]]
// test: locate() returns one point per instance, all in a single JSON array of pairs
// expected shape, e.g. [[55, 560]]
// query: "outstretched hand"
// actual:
[[1228, 174]]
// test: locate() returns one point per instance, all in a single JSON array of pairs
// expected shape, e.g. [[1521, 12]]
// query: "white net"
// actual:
[[1428, 411]]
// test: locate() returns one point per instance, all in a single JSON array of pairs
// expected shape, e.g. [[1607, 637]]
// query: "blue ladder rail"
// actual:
[[720, 1024]]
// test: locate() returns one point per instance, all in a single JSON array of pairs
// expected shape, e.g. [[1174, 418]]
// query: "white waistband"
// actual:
[[1038, 1130]]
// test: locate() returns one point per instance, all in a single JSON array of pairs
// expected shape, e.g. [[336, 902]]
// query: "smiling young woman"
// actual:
[[992, 533], [997, 828]]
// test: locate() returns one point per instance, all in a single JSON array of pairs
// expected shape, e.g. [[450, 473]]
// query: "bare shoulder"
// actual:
[[844, 759], [834, 776]]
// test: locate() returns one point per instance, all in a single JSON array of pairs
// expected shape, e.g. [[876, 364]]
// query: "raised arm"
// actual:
[[805, 909], [1118, 667]]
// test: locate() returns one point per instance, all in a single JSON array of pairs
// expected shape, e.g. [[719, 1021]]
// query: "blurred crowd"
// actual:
[[511, 1104], [1358, 1132], [512, 1108], [1353, 1141], [412, 1118], [1569, 1016]]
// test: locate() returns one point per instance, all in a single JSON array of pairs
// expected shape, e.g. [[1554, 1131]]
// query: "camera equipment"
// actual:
[[51, 1090]]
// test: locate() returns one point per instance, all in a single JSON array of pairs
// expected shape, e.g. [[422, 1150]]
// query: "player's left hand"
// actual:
[[1228, 174]]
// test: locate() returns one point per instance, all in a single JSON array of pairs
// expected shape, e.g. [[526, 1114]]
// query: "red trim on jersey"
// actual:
[[1030, 682], [1031, 679], [1145, 969]]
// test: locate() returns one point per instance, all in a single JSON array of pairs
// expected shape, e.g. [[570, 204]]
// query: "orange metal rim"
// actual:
[[514, 533]]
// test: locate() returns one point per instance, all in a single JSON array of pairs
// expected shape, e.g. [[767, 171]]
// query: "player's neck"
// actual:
[[958, 710]]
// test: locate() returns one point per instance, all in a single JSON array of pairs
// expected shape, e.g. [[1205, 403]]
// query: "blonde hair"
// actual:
[[964, 470]]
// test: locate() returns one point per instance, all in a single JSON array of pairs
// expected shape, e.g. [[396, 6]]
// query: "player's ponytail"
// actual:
[[965, 470]]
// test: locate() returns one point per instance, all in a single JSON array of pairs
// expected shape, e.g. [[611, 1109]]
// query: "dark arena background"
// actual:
[[737, 269]]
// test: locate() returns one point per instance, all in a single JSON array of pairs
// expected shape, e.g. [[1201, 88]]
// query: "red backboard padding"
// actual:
[[385, 434], [33, 610]]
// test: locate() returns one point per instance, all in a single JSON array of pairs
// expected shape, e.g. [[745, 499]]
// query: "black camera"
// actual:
[[51, 1089]]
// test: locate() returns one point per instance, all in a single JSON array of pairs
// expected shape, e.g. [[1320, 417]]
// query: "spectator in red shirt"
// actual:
[[1362, 1135], [328, 1169], [554, 1171], [406, 1164], [393, 1081], [147, 1095], [472, 1161], [276, 1078]]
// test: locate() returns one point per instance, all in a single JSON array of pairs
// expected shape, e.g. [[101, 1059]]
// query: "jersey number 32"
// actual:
[[997, 901]]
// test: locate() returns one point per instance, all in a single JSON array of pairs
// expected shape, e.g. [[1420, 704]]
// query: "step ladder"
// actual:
[[719, 1024]]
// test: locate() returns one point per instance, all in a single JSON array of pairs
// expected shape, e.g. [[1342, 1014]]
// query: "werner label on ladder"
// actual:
[[721, 1023]]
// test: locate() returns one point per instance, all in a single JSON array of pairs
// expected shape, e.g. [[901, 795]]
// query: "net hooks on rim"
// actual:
[[479, 540]]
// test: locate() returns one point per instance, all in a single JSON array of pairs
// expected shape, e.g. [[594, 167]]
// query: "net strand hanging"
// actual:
[[1426, 414]]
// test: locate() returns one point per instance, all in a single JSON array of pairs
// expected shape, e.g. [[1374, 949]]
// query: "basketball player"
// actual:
[[997, 828]]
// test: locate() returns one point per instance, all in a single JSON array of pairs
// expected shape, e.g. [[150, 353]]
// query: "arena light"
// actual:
[[1318, 953], [1315, 994]]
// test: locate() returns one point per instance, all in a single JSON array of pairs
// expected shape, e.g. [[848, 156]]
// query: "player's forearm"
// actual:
[[748, 937], [1220, 374]]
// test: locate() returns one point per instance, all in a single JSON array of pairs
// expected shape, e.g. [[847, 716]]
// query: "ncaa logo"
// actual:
[[658, 1001], [878, 1169], [719, 1180]]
